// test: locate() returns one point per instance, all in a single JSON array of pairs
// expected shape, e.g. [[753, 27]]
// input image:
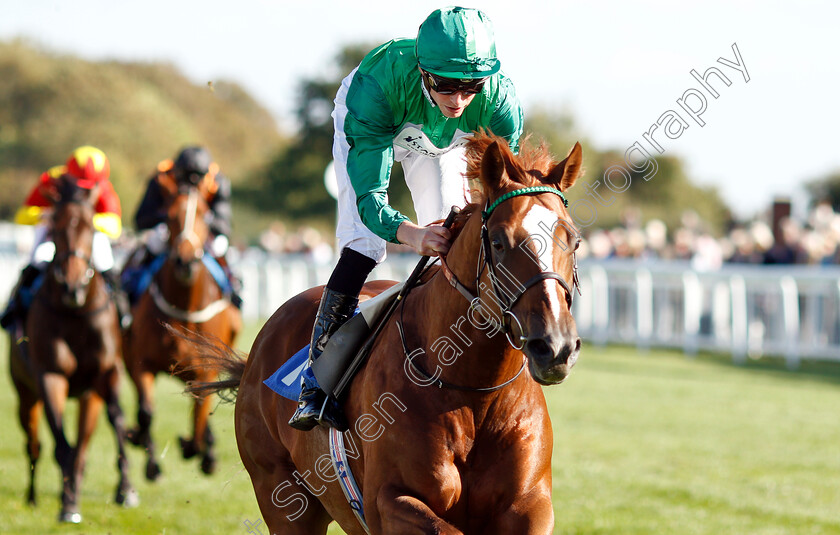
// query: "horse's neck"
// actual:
[[469, 348], [194, 295]]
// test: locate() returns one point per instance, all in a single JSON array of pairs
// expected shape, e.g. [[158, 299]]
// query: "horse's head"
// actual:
[[187, 209], [72, 231], [528, 244]]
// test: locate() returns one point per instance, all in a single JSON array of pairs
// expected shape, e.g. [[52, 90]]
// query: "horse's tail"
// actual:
[[213, 354]]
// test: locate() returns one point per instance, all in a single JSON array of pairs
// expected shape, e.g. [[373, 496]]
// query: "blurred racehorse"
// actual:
[[71, 348], [450, 436], [183, 297]]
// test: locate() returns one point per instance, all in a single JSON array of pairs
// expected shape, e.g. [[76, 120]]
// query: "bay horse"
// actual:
[[71, 348], [450, 437], [183, 296]]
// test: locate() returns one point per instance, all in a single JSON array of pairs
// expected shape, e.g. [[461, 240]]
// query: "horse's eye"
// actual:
[[497, 245], [577, 244]]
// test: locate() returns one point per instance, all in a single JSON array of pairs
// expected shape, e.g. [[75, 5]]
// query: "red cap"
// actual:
[[88, 165]]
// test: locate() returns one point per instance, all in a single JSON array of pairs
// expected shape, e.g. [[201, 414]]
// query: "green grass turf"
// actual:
[[645, 443]]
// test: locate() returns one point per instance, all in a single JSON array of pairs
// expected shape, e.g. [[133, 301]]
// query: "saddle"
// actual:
[[345, 343], [342, 348]]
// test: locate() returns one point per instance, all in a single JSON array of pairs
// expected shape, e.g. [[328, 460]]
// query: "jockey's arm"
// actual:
[[221, 212], [150, 212], [108, 224], [31, 215], [370, 130]]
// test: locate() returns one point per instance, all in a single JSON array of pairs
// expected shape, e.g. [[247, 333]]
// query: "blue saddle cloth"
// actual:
[[136, 280], [286, 380], [27, 295]]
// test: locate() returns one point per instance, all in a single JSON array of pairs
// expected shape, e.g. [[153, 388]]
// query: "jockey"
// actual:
[[191, 166], [88, 166], [416, 101]]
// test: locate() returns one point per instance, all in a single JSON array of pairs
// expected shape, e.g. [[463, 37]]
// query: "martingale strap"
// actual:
[[338, 454]]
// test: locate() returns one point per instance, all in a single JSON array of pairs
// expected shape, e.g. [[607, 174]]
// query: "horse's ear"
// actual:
[[564, 174], [492, 167], [49, 190], [94, 194], [205, 187], [167, 184]]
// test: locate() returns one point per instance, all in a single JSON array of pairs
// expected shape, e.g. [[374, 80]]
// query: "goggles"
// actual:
[[188, 177], [449, 86]]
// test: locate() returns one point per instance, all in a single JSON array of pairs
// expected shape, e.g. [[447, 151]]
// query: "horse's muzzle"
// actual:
[[550, 358]]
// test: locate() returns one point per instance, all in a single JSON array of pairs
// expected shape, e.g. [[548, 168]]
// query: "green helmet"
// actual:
[[457, 42]]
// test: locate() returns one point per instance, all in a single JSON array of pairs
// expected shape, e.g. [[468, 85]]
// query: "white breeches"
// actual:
[[436, 184]]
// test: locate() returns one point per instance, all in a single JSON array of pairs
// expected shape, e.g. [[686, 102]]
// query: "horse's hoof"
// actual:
[[133, 436], [128, 499], [152, 471], [208, 464], [188, 449], [70, 518]]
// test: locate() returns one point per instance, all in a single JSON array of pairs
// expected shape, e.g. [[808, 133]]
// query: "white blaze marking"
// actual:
[[537, 222]]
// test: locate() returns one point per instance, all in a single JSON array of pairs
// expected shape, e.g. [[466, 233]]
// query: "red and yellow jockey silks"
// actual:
[[108, 211], [88, 165]]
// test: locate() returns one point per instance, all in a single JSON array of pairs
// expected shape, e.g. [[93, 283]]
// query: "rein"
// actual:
[[187, 234]]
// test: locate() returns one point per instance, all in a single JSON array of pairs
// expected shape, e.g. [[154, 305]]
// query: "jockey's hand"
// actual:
[[427, 241]]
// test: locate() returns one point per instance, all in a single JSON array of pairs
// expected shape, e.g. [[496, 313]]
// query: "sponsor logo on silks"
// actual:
[[412, 138]]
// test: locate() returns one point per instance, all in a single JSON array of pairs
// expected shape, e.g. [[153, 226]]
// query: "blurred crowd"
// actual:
[[814, 241], [305, 240]]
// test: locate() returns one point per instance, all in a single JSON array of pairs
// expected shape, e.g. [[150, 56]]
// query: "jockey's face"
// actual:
[[453, 105]]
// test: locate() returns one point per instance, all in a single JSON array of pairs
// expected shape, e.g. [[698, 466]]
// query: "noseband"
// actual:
[[485, 261], [188, 233], [58, 273]]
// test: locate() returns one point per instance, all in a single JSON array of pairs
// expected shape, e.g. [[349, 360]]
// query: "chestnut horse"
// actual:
[[449, 436], [183, 296], [71, 348]]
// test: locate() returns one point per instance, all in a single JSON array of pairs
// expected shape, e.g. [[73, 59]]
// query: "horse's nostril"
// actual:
[[537, 347]]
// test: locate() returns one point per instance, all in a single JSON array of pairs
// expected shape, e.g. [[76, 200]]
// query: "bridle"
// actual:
[[485, 262], [55, 265], [188, 233], [60, 277], [58, 273]]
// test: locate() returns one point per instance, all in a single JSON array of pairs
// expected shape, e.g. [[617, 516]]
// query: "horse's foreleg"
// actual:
[[90, 405], [29, 409], [126, 495], [144, 381], [399, 514], [54, 388], [531, 515]]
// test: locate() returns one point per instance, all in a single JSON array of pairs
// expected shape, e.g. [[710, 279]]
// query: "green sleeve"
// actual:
[[507, 121], [370, 131]]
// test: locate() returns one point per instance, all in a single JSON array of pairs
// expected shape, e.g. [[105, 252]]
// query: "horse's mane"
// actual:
[[531, 157]]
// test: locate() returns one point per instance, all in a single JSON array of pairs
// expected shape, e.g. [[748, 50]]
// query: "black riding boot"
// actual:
[[313, 406], [120, 297], [16, 310]]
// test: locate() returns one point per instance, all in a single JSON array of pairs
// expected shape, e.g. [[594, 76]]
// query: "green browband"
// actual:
[[523, 191]]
